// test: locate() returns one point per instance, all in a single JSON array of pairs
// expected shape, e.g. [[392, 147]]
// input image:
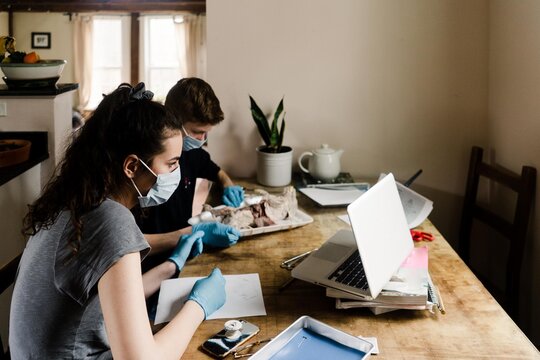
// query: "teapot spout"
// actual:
[[339, 153]]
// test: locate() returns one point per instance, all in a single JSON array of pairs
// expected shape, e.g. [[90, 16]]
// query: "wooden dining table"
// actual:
[[474, 326]]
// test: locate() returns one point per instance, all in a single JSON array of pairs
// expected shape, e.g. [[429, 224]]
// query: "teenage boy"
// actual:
[[195, 105]]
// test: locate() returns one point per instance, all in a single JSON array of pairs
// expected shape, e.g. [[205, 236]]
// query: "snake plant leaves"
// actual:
[[260, 121], [272, 137]]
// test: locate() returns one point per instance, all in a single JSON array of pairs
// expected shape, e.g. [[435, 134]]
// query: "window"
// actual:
[[160, 65], [110, 55], [161, 37]]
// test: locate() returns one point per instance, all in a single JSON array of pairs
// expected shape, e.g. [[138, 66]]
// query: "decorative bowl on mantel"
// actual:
[[14, 151], [44, 73]]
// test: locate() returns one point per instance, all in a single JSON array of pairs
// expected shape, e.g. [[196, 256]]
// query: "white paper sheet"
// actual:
[[416, 207], [244, 297], [325, 197]]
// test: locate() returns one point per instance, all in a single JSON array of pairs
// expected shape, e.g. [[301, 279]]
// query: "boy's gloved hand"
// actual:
[[233, 196], [209, 292], [217, 234], [187, 245]]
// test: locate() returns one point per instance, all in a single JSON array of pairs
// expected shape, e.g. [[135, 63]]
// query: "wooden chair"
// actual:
[[7, 277], [515, 230]]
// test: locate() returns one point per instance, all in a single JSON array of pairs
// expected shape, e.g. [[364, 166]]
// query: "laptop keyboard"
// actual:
[[351, 273]]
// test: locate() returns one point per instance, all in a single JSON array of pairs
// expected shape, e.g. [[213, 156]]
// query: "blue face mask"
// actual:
[[190, 142], [162, 189]]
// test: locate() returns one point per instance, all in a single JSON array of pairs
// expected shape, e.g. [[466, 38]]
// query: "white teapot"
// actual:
[[323, 162]]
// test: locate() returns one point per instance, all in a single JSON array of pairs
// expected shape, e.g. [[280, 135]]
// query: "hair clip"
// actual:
[[138, 92]]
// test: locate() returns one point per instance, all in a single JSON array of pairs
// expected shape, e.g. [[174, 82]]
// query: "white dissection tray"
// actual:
[[308, 338], [300, 218]]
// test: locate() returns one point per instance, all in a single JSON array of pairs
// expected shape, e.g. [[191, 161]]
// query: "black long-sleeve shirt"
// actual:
[[175, 213]]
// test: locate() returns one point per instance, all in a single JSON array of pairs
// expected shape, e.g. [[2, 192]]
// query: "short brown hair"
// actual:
[[193, 100]]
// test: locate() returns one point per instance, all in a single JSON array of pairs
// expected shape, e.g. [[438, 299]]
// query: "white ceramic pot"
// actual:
[[274, 169]]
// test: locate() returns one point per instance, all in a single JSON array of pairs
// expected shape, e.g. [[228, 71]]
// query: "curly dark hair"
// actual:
[[193, 100], [91, 169]]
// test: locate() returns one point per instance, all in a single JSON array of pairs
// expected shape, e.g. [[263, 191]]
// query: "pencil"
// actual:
[[440, 304], [410, 181]]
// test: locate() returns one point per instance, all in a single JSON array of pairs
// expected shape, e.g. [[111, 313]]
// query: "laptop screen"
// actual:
[[381, 232]]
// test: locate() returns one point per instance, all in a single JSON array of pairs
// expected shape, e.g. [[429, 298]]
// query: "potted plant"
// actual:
[[274, 160]]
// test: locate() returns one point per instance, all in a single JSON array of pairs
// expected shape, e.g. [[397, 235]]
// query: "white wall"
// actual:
[[514, 114], [380, 79], [398, 85], [42, 113]]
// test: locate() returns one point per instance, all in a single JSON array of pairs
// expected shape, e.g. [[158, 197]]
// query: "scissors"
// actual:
[[418, 235]]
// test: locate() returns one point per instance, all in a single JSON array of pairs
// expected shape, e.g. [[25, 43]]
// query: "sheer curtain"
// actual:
[[82, 57], [191, 44]]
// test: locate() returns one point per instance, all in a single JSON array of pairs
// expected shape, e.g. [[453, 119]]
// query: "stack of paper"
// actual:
[[416, 207], [407, 289]]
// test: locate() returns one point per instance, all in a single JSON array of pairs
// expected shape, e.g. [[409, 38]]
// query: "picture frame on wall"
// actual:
[[41, 40]]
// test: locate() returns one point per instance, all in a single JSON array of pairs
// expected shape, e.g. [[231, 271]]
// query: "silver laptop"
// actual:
[[363, 260]]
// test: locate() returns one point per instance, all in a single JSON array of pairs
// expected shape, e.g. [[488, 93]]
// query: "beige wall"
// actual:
[[398, 85], [3, 23], [514, 114], [61, 36]]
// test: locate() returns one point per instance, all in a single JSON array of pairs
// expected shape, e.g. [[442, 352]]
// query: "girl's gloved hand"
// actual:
[[209, 292], [187, 245], [217, 234], [233, 196]]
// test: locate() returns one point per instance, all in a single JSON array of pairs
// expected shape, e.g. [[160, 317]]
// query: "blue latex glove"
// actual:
[[217, 234], [233, 196], [197, 248], [209, 292], [187, 245]]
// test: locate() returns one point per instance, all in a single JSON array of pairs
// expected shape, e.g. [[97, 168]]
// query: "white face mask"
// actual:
[[190, 142], [162, 189]]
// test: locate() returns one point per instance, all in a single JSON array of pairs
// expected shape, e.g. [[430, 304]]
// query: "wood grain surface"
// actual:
[[474, 326]]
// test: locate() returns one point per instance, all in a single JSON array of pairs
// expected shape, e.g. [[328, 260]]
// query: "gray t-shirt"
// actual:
[[55, 309]]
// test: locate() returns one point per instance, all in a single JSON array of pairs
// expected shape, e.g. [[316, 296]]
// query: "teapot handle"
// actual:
[[307, 153]]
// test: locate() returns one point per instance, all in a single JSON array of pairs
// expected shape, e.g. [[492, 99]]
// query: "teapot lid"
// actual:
[[324, 150]]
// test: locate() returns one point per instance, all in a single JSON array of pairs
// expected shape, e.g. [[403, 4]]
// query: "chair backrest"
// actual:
[[515, 230], [7, 277]]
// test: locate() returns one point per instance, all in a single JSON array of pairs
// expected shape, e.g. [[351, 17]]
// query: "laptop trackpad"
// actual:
[[332, 252]]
